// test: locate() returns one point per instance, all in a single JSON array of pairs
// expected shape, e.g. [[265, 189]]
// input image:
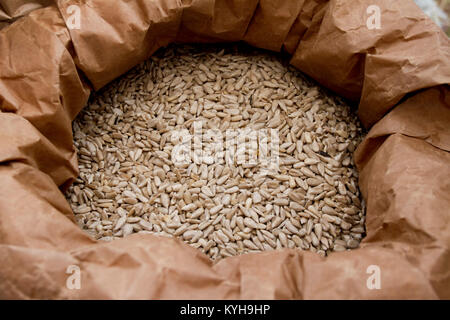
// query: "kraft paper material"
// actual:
[[397, 74]]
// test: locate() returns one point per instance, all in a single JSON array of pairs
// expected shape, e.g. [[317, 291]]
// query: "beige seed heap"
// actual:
[[130, 183]]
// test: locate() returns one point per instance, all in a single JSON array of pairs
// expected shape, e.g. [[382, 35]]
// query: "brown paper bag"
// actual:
[[11, 10], [398, 74]]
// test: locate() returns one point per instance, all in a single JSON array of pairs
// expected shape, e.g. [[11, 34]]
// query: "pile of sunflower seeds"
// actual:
[[306, 196]]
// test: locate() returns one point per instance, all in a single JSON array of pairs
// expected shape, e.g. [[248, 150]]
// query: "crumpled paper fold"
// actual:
[[398, 74]]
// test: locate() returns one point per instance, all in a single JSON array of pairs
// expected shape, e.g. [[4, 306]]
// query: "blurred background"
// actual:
[[438, 10]]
